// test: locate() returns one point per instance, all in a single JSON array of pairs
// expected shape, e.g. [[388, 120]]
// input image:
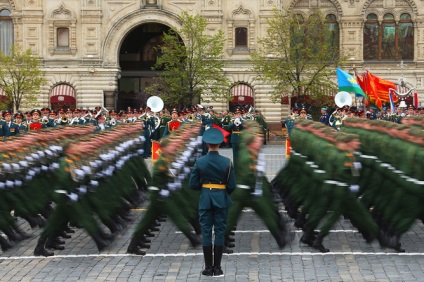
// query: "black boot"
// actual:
[[11, 234], [308, 238], [207, 254], [5, 244], [217, 257], [65, 235], [133, 248], [318, 244], [100, 242], [30, 219], [228, 250], [51, 244], [194, 239], [40, 250]]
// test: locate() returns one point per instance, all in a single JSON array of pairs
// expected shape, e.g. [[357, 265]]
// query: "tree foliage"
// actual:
[[20, 78], [298, 56], [191, 63]]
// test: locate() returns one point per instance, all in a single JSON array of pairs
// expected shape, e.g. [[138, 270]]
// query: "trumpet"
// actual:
[[45, 120], [64, 120], [190, 117]]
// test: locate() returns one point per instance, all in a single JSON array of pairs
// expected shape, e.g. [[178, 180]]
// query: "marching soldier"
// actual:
[[22, 126]]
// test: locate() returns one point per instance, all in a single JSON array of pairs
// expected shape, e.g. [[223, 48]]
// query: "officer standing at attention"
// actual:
[[214, 175], [324, 116]]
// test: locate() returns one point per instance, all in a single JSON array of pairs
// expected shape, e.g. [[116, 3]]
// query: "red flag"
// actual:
[[371, 89], [226, 133], [381, 88], [416, 102]]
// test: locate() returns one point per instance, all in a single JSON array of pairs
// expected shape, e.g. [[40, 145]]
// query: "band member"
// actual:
[[22, 125], [173, 124], [35, 123], [235, 128], [9, 128]]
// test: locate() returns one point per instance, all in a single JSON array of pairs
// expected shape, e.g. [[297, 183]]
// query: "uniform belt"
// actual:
[[236, 132], [214, 186]]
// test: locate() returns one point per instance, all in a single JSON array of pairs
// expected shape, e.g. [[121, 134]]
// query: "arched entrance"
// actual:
[[137, 56], [62, 96], [242, 97]]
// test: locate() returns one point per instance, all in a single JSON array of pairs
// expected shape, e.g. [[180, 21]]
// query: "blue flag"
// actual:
[[348, 83]]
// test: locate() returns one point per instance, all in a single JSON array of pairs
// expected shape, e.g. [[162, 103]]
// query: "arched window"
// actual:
[[388, 41], [6, 31], [331, 32], [406, 37]]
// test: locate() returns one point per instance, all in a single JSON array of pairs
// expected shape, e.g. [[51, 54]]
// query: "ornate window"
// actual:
[[62, 32], [389, 40], [241, 37], [6, 31], [63, 37]]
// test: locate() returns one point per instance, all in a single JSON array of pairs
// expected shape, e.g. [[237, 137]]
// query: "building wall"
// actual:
[[98, 27]]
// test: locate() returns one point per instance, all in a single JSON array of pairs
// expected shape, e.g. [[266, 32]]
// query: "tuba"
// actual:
[[343, 98], [155, 103]]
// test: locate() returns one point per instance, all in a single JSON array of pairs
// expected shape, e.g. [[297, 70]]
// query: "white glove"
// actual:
[[354, 188], [73, 197], [357, 165], [257, 193], [164, 193]]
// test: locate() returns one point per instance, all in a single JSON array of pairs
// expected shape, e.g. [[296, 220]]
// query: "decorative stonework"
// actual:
[[305, 4], [241, 17], [370, 4]]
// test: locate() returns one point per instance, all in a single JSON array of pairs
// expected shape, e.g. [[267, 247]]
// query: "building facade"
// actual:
[[100, 52]]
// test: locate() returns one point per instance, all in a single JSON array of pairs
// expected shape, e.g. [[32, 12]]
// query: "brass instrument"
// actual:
[[45, 120], [190, 117], [64, 120], [156, 104]]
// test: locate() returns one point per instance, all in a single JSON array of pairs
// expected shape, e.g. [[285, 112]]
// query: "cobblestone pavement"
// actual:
[[256, 256]]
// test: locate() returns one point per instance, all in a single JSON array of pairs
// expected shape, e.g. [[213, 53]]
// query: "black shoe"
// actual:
[[41, 251], [229, 245], [308, 241], [141, 244], [208, 271], [69, 230], [65, 235], [149, 234], [100, 242], [230, 239], [228, 250], [58, 241], [145, 240], [133, 248], [154, 229], [50, 244], [217, 271], [135, 251], [5, 244], [194, 239], [161, 219]]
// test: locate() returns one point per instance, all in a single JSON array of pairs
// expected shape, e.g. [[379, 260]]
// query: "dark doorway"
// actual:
[[137, 56]]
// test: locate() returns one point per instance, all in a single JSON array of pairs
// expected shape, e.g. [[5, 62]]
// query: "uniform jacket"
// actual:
[[216, 169]]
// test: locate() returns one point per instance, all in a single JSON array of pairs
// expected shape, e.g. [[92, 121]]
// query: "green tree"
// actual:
[[191, 63], [20, 78], [298, 56]]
